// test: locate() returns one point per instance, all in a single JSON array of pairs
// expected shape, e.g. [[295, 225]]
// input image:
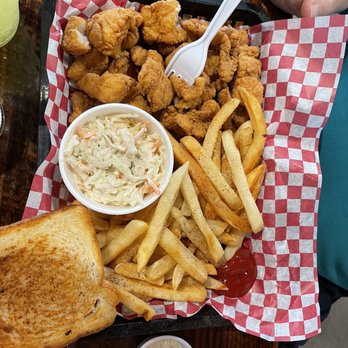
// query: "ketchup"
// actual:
[[238, 274]]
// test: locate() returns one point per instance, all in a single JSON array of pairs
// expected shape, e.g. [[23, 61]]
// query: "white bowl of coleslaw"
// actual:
[[116, 159]]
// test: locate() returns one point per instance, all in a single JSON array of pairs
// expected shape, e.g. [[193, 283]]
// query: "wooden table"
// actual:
[[20, 95]]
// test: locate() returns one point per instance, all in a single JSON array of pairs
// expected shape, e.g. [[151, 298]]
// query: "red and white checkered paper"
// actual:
[[301, 64]]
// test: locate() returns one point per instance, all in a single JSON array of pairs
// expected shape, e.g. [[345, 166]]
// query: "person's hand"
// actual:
[[311, 8]]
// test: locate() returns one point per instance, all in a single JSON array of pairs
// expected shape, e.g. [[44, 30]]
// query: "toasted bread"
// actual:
[[52, 286]]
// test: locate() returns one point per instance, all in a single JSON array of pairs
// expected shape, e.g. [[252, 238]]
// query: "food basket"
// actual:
[[301, 60]]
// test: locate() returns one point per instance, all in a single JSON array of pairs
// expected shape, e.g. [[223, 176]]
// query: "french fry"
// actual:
[[227, 239], [201, 256], [230, 251], [163, 208], [185, 210], [212, 172], [101, 238], [245, 141], [236, 134], [130, 270], [132, 231], [217, 122], [238, 241], [192, 232], [157, 254], [131, 301], [255, 179], [260, 130], [144, 298], [226, 171], [127, 255], [189, 193], [99, 223], [178, 252], [160, 267], [209, 212], [178, 275], [239, 178], [207, 189], [179, 201], [106, 237], [211, 270], [179, 272], [218, 227], [193, 293], [214, 284]]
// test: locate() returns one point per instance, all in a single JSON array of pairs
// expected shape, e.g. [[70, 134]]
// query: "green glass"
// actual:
[[9, 18]]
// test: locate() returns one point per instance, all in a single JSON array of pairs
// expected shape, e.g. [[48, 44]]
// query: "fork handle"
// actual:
[[220, 18]]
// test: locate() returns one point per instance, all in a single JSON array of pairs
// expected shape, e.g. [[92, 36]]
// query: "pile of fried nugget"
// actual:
[[172, 249], [120, 56]]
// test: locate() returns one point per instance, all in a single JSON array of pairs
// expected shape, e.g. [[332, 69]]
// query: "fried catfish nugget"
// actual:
[[91, 62], [195, 122], [75, 41], [80, 102], [153, 82], [227, 62], [248, 64], [161, 23], [112, 31], [252, 84], [107, 88], [120, 64], [186, 92], [138, 55]]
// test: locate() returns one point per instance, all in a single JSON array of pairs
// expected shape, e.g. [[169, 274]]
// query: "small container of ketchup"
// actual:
[[238, 274]]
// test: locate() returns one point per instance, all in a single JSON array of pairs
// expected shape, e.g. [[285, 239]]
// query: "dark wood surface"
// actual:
[[19, 94]]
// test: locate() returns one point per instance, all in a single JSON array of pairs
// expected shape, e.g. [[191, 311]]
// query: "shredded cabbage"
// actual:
[[115, 160]]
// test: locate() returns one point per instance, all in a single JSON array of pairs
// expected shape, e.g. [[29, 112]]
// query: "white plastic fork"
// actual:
[[188, 63]]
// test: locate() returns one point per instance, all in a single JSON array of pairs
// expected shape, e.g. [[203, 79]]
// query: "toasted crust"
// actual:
[[52, 287]]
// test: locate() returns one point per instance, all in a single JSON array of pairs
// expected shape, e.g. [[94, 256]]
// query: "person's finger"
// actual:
[[312, 8], [292, 6]]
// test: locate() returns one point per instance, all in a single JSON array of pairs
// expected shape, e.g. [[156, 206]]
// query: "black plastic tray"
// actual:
[[207, 316]]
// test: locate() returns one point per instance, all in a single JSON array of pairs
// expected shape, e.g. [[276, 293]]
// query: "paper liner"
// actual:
[[301, 64]]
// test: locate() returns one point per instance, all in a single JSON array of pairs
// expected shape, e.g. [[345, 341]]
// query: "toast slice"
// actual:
[[52, 286]]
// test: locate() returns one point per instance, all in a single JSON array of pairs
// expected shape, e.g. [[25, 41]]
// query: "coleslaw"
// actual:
[[115, 160]]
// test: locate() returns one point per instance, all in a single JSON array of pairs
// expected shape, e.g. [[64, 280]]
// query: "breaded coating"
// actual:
[[195, 122], [120, 65], [112, 31], [228, 63], [224, 96], [248, 64], [153, 82], [91, 62], [80, 102], [212, 64], [138, 55], [251, 51], [186, 92], [194, 27], [165, 49], [219, 85], [108, 88], [161, 23], [75, 41], [208, 93], [139, 101], [252, 84]]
